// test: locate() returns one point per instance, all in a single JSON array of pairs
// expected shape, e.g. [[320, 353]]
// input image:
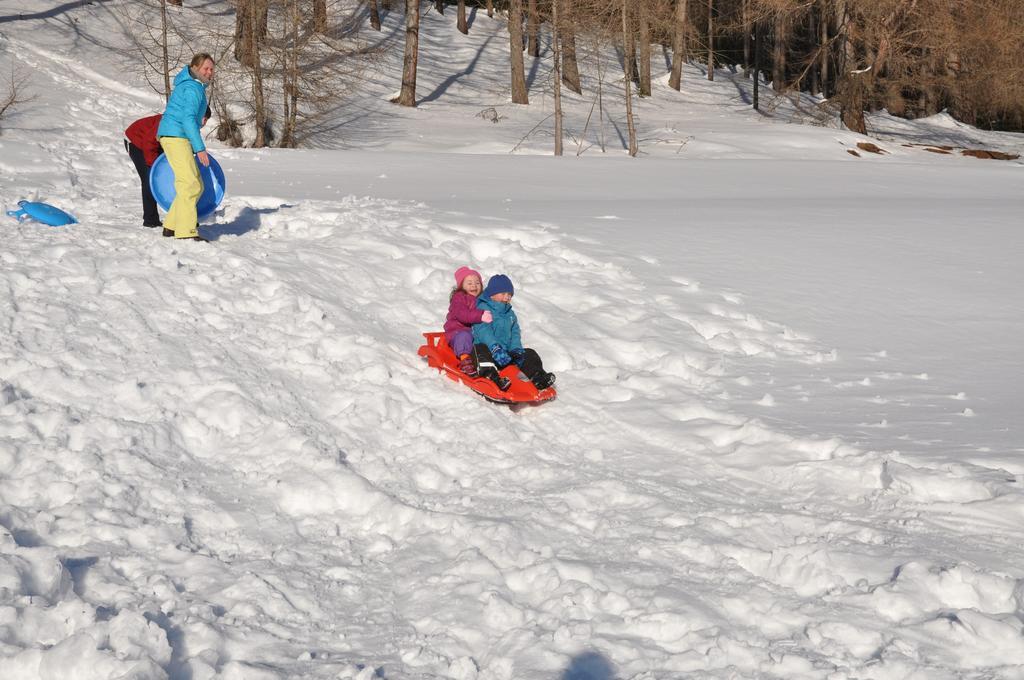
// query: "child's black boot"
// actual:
[[542, 381]]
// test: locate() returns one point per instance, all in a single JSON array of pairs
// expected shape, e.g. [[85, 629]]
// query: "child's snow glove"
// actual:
[[501, 357], [517, 356], [487, 317]]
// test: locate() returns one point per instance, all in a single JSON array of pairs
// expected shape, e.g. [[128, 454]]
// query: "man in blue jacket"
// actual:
[[180, 138]]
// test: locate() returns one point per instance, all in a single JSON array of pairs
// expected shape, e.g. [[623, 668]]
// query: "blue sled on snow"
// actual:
[[42, 212], [161, 183]]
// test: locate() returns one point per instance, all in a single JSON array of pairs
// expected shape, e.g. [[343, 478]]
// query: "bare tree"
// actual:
[[163, 50], [746, 24], [711, 39], [627, 31], [14, 92], [320, 16], [312, 71], [532, 29], [257, 22], [515, 37], [567, 45], [758, 39], [629, 43], [374, 15], [678, 44], [462, 25], [290, 76], [644, 35], [823, 43], [149, 28], [811, 69], [250, 29], [407, 97], [556, 50], [857, 85], [779, 45]]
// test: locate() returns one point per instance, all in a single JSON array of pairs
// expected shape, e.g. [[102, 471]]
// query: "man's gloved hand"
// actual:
[[501, 357]]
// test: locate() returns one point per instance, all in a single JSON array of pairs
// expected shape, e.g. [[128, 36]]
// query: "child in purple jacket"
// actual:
[[462, 314]]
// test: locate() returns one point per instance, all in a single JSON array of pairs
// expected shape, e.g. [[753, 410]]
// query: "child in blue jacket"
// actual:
[[498, 344]]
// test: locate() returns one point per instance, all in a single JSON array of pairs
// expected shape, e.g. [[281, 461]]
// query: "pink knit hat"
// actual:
[[462, 272]]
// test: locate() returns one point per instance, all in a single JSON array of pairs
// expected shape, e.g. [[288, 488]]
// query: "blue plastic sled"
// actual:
[[161, 182], [42, 212]]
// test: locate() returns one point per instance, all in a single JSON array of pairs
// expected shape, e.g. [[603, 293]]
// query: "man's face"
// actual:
[[205, 71]]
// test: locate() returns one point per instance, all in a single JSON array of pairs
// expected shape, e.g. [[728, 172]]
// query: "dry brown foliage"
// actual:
[[913, 57]]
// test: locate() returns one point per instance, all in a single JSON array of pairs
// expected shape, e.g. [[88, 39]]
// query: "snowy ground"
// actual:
[[787, 441]]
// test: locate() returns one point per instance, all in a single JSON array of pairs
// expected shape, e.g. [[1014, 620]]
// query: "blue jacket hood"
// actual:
[[185, 110], [183, 75]]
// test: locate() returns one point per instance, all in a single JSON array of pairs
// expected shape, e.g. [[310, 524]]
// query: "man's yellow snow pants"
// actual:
[[188, 187]]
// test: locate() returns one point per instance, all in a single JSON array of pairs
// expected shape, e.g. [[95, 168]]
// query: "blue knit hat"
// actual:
[[499, 283]]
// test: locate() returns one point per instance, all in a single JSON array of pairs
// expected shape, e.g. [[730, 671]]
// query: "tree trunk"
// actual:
[[758, 39], [711, 39], [320, 16], [567, 47], [374, 16], [557, 56], [290, 79], [258, 100], [843, 53], [855, 79], [439, 6], [645, 51], [627, 31], [490, 8], [854, 102], [463, 26], [385, 5], [163, 46], [678, 46], [515, 41], [243, 39], [250, 29], [823, 46], [849, 88], [779, 45], [812, 71], [865, 85], [629, 45], [532, 29], [745, 10], [176, 3], [600, 100], [952, 66], [407, 97]]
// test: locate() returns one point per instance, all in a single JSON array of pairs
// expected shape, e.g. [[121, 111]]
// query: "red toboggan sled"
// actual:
[[439, 355]]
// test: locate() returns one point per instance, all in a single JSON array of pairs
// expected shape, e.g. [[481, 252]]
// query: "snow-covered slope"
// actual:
[[787, 440]]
